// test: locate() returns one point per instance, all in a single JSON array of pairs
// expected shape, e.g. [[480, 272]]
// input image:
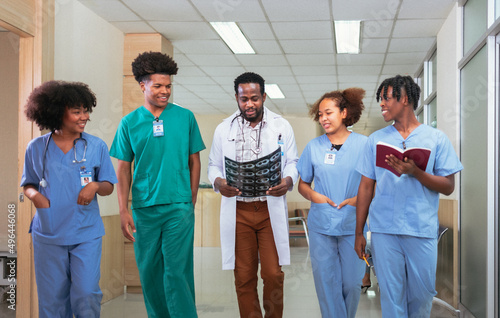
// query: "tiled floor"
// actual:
[[216, 298]]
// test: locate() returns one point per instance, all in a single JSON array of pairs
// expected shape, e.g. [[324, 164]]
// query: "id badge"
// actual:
[[281, 143], [329, 158], [85, 176], [158, 128]]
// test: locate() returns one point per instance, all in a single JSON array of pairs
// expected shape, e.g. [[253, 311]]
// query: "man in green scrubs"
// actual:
[[164, 142]]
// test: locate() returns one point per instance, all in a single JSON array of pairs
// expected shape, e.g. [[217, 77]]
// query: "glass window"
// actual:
[[473, 187], [420, 81], [497, 12], [420, 115], [432, 74], [475, 22], [432, 113]]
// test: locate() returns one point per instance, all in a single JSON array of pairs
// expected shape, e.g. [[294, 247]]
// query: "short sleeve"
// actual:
[[106, 171], [196, 143], [305, 166], [122, 148], [366, 164], [446, 162], [29, 175]]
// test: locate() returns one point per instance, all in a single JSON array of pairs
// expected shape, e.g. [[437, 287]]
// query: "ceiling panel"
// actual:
[[307, 30], [307, 46], [213, 59], [311, 59], [297, 10], [411, 44], [111, 10], [417, 28], [233, 10], [251, 60], [364, 10], [294, 46], [134, 27], [163, 10], [377, 28], [430, 9], [185, 30]]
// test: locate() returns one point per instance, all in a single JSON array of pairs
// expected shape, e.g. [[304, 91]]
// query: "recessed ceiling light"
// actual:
[[274, 91], [234, 38], [347, 35]]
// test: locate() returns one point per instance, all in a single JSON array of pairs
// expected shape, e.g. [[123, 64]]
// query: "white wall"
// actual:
[[448, 108], [88, 49]]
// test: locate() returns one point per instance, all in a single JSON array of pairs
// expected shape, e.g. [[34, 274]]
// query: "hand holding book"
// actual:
[[419, 155]]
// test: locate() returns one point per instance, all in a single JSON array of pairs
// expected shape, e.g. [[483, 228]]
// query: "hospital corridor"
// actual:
[[118, 115]]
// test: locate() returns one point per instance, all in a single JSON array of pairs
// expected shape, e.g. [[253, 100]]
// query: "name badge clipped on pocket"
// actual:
[[329, 158], [85, 176], [158, 128]]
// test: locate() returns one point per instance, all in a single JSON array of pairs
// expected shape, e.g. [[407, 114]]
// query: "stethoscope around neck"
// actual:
[[43, 183], [258, 150]]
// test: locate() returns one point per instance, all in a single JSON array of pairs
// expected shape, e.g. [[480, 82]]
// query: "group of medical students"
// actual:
[[66, 169]]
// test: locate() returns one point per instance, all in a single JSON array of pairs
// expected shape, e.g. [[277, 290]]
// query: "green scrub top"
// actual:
[[161, 169]]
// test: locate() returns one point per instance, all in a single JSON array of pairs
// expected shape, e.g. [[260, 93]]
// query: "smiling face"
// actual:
[[251, 102], [156, 90], [74, 120], [331, 117], [391, 108]]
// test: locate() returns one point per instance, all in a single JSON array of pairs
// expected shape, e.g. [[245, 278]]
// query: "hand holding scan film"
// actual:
[[254, 178]]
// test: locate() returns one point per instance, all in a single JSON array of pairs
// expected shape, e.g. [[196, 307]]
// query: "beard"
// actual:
[[257, 116]]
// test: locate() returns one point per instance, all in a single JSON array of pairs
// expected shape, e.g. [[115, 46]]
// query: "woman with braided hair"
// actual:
[[330, 161], [403, 213]]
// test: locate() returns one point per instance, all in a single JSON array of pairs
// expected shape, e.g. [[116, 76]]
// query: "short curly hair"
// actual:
[[249, 77], [397, 82], [350, 99], [48, 102], [148, 63]]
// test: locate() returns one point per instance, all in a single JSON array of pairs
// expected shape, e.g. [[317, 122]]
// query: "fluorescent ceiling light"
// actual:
[[234, 38], [347, 36], [273, 91]]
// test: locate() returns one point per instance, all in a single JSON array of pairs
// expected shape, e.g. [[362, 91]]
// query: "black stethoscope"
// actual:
[[258, 150], [43, 182]]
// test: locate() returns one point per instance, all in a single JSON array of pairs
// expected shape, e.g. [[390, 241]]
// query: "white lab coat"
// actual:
[[223, 144]]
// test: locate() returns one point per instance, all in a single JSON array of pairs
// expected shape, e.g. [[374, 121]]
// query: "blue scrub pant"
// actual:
[[337, 272], [406, 272], [67, 279], [164, 254]]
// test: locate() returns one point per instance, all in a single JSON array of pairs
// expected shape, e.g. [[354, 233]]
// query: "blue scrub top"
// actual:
[[402, 205], [161, 164], [65, 222], [338, 181]]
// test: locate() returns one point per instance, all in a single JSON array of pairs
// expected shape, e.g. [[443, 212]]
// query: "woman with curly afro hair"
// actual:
[[330, 160], [404, 207], [64, 170]]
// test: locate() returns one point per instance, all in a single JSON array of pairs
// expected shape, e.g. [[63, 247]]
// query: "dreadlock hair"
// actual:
[[249, 77], [48, 102], [148, 63], [350, 99], [397, 82]]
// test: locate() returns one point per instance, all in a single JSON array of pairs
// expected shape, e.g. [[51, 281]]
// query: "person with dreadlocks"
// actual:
[[165, 141], [404, 211]]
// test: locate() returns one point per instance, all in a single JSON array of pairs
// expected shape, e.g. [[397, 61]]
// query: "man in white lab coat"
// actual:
[[254, 228]]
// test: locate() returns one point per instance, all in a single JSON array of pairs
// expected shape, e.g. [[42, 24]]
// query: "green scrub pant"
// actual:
[[164, 255]]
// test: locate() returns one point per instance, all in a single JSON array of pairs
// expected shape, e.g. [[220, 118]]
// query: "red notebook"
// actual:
[[417, 154]]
